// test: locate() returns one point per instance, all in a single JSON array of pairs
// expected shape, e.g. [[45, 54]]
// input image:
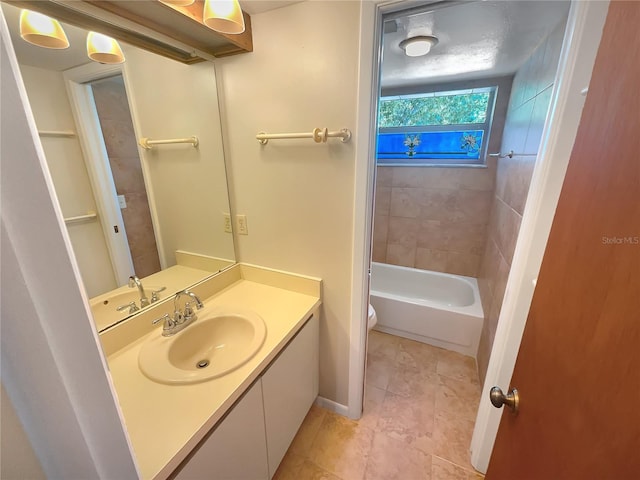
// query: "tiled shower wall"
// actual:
[[117, 129], [436, 218], [530, 98]]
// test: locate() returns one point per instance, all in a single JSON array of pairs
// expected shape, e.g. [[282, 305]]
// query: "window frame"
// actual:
[[441, 162]]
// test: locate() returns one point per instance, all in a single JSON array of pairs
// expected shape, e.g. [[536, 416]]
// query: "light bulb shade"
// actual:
[[224, 16], [41, 30], [103, 49], [418, 46], [178, 3]]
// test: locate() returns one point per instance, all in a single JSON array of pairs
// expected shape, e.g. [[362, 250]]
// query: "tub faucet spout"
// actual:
[[134, 282]]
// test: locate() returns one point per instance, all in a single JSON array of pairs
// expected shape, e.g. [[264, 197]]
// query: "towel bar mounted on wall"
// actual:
[[81, 218], [148, 144], [319, 135], [511, 154]]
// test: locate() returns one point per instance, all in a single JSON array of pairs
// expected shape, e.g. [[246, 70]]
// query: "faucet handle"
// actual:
[[188, 313], [131, 306], [154, 294], [169, 323]]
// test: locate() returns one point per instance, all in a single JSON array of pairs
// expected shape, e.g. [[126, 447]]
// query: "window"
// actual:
[[438, 128]]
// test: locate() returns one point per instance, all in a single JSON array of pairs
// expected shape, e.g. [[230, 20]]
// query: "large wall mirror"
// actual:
[[144, 223]]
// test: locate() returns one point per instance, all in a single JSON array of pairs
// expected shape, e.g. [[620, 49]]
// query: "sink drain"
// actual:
[[202, 364]]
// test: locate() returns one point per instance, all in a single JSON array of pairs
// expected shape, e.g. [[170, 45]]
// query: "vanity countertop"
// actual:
[[165, 422]]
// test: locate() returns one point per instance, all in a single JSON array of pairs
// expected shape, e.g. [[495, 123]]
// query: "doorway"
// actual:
[[551, 98]]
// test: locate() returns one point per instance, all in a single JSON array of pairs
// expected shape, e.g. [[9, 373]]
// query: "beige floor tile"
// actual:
[[392, 459], [409, 419], [457, 366], [452, 439], [373, 398], [417, 355], [289, 467], [379, 371], [307, 432], [310, 471], [444, 470], [382, 344], [342, 447], [457, 398], [412, 381]]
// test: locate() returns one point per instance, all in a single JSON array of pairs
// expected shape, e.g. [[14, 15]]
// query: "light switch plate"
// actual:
[[122, 201]]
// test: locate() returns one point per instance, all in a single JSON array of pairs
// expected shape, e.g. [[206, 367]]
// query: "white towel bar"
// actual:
[[319, 135]]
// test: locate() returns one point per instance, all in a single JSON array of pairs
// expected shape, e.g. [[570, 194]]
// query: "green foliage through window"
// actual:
[[448, 109]]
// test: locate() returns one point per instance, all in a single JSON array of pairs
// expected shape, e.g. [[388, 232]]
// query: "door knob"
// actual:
[[498, 398]]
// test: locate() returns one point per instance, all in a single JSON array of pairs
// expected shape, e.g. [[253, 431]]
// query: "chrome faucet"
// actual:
[[134, 281], [180, 319]]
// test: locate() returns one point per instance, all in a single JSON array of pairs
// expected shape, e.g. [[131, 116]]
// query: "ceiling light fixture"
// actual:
[[418, 46], [43, 31], [224, 16], [103, 49]]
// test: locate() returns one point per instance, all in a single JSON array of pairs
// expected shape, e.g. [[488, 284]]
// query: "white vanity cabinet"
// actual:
[[289, 387], [236, 449], [252, 439]]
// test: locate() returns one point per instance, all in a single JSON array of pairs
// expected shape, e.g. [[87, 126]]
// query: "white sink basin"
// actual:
[[215, 344]]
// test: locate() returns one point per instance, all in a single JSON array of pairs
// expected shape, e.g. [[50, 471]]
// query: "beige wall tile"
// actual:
[[538, 117], [380, 229], [384, 176], [401, 255], [430, 259], [147, 264], [405, 202], [379, 253], [506, 228], [409, 176], [466, 264], [433, 234], [127, 174], [403, 231], [383, 200]]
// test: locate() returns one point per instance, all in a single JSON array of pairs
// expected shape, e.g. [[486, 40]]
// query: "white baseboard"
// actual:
[[333, 406]]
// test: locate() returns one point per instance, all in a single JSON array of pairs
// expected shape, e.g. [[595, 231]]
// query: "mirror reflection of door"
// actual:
[[114, 116]]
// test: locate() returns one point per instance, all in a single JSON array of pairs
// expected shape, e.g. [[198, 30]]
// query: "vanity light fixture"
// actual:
[[418, 46], [103, 49], [178, 3], [224, 16], [41, 30]]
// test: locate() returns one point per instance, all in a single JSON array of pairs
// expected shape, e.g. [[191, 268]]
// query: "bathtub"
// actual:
[[440, 309]]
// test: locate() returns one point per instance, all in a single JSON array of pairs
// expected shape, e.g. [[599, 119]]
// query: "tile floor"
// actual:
[[420, 407]]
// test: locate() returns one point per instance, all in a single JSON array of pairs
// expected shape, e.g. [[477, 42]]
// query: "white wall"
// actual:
[[17, 458], [51, 109], [52, 367], [188, 185], [299, 196]]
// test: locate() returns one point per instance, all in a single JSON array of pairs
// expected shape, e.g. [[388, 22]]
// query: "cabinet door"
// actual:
[[290, 386], [236, 449]]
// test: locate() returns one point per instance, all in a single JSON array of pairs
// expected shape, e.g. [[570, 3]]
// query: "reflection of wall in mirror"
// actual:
[[52, 111], [173, 100]]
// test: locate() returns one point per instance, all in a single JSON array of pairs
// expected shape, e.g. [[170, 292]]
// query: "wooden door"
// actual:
[[578, 368]]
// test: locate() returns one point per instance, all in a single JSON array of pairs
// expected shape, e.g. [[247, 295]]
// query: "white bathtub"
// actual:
[[440, 309]]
